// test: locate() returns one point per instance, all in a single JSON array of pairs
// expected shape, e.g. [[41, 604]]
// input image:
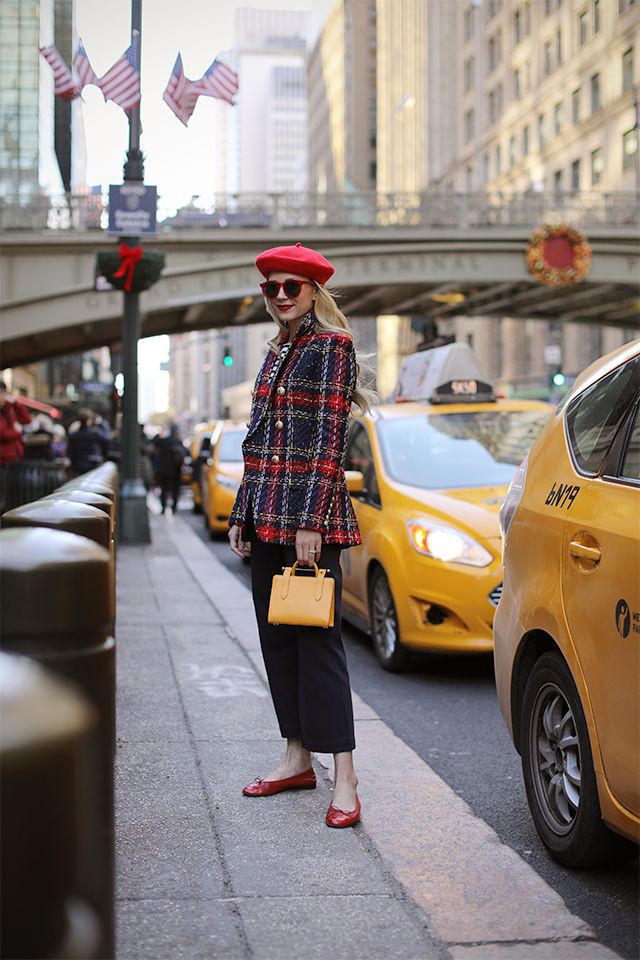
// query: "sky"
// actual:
[[178, 160]]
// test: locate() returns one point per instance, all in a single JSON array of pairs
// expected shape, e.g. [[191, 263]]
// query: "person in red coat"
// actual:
[[12, 412], [293, 504]]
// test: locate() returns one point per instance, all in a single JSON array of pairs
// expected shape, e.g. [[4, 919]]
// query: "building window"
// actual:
[[557, 181], [597, 166], [495, 50], [512, 151], [517, 27], [492, 9], [527, 18], [629, 149], [575, 106], [542, 133], [547, 59], [583, 28], [525, 141], [468, 125], [595, 93], [575, 175], [527, 75], [469, 179], [596, 16], [468, 23], [498, 160], [627, 70], [547, 8], [558, 47], [517, 84], [557, 118], [468, 73], [485, 167]]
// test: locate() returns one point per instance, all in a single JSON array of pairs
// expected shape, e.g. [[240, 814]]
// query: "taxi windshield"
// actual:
[[230, 446], [480, 448]]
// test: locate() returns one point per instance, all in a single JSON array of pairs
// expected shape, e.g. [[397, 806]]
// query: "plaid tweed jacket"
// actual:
[[296, 441]]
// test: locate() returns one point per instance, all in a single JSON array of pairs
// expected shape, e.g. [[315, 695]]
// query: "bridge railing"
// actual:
[[366, 209]]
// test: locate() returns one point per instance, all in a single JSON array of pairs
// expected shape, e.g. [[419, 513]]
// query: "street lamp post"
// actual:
[[133, 526]]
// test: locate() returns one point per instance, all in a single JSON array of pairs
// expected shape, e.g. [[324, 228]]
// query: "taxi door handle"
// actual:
[[583, 552]]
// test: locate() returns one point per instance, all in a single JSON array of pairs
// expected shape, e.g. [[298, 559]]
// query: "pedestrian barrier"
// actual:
[[46, 806], [57, 607], [25, 480]]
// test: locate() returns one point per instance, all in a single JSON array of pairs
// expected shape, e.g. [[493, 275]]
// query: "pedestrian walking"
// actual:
[[293, 505], [12, 413], [87, 447], [170, 454]]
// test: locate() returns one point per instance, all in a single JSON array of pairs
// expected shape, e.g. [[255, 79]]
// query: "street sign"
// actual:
[[553, 354], [132, 209]]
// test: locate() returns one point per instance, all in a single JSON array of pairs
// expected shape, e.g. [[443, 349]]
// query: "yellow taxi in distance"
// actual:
[[200, 442], [222, 475], [567, 630], [426, 481]]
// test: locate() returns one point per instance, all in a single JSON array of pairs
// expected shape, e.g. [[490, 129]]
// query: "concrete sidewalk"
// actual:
[[206, 872]]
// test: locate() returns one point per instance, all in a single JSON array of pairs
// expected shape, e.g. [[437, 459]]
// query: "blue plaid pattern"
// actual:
[[295, 445]]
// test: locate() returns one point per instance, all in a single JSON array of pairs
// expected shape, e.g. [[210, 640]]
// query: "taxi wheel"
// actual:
[[385, 632], [558, 771]]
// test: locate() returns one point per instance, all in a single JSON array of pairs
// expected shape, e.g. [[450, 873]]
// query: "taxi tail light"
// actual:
[[513, 498]]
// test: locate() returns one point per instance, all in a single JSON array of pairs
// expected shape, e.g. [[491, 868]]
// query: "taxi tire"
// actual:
[[398, 660], [589, 842]]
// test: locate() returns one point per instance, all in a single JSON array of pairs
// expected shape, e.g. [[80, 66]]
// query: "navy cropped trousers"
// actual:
[[306, 666]]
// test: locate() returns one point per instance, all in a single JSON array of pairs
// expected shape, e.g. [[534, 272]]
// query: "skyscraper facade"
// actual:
[[19, 97]]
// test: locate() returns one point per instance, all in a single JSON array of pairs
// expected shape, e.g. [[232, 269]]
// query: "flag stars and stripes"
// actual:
[[82, 66], [219, 81], [121, 83], [63, 83], [179, 94]]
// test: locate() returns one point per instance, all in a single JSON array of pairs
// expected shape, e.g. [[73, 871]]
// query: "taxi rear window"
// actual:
[[594, 417], [230, 446], [454, 450]]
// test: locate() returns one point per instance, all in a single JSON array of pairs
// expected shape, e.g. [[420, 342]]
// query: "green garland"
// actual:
[[147, 270]]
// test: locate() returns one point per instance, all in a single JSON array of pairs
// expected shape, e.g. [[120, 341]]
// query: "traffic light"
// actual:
[[558, 378], [228, 357]]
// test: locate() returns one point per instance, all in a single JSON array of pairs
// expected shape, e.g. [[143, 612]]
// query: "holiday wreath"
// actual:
[[558, 255], [132, 269]]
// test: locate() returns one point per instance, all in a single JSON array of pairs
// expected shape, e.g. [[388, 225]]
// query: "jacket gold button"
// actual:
[[275, 458], [279, 425], [280, 391]]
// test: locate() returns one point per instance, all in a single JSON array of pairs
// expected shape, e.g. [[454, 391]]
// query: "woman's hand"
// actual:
[[241, 548], [308, 545]]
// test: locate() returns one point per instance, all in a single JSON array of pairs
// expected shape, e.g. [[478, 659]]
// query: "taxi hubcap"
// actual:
[[555, 758], [385, 629]]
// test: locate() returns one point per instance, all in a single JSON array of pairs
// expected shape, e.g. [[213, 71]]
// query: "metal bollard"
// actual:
[[46, 798], [57, 607]]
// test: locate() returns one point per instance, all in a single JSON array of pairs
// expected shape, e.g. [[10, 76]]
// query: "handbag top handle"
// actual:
[[289, 571]]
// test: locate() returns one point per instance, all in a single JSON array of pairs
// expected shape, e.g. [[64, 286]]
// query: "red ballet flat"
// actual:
[[266, 788], [343, 818]]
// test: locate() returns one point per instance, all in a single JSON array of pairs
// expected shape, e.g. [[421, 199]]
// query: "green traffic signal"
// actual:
[[227, 358], [559, 379]]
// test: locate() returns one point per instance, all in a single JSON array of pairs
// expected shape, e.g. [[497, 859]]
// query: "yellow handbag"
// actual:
[[302, 601]]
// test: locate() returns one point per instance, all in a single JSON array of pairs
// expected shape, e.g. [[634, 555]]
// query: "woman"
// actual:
[[292, 505]]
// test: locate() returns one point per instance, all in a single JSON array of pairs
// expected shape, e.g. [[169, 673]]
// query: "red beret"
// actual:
[[295, 259]]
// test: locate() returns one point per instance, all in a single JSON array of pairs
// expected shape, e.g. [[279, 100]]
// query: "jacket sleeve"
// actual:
[[337, 382], [22, 414]]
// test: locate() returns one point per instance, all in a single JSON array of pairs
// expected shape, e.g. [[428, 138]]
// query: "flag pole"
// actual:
[[133, 526]]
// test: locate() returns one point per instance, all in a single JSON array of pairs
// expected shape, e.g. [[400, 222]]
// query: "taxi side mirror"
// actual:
[[355, 481]]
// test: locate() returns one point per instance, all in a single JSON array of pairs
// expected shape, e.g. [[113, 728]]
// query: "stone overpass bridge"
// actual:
[[398, 254]]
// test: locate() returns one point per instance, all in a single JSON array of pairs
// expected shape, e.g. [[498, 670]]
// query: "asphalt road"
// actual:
[[446, 709]]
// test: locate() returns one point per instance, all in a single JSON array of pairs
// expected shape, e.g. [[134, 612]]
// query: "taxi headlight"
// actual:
[[229, 483], [446, 544]]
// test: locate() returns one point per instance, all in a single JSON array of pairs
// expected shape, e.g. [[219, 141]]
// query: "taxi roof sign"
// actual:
[[447, 374]]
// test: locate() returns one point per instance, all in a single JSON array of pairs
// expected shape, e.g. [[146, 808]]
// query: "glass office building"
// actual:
[[19, 97]]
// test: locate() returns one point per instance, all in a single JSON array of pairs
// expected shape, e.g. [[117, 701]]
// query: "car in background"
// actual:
[[200, 447], [426, 481], [567, 629], [221, 475]]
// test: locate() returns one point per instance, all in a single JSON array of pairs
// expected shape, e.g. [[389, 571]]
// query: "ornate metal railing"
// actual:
[[366, 210]]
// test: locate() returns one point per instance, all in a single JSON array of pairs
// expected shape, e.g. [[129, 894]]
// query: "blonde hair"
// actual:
[[329, 317]]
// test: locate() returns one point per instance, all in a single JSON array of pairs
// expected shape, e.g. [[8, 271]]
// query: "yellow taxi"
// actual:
[[567, 630], [222, 475], [426, 481], [200, 445]]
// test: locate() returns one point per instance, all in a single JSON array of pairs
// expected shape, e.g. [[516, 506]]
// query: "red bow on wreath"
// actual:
[[129, 256]]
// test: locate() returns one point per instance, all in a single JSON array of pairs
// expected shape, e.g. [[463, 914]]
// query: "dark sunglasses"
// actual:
[[292, 288]]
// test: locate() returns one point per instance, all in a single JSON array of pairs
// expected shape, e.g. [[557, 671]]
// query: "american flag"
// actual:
[[179, 94], [218, 81], [121, 83], [64, 84], [84, 71]]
